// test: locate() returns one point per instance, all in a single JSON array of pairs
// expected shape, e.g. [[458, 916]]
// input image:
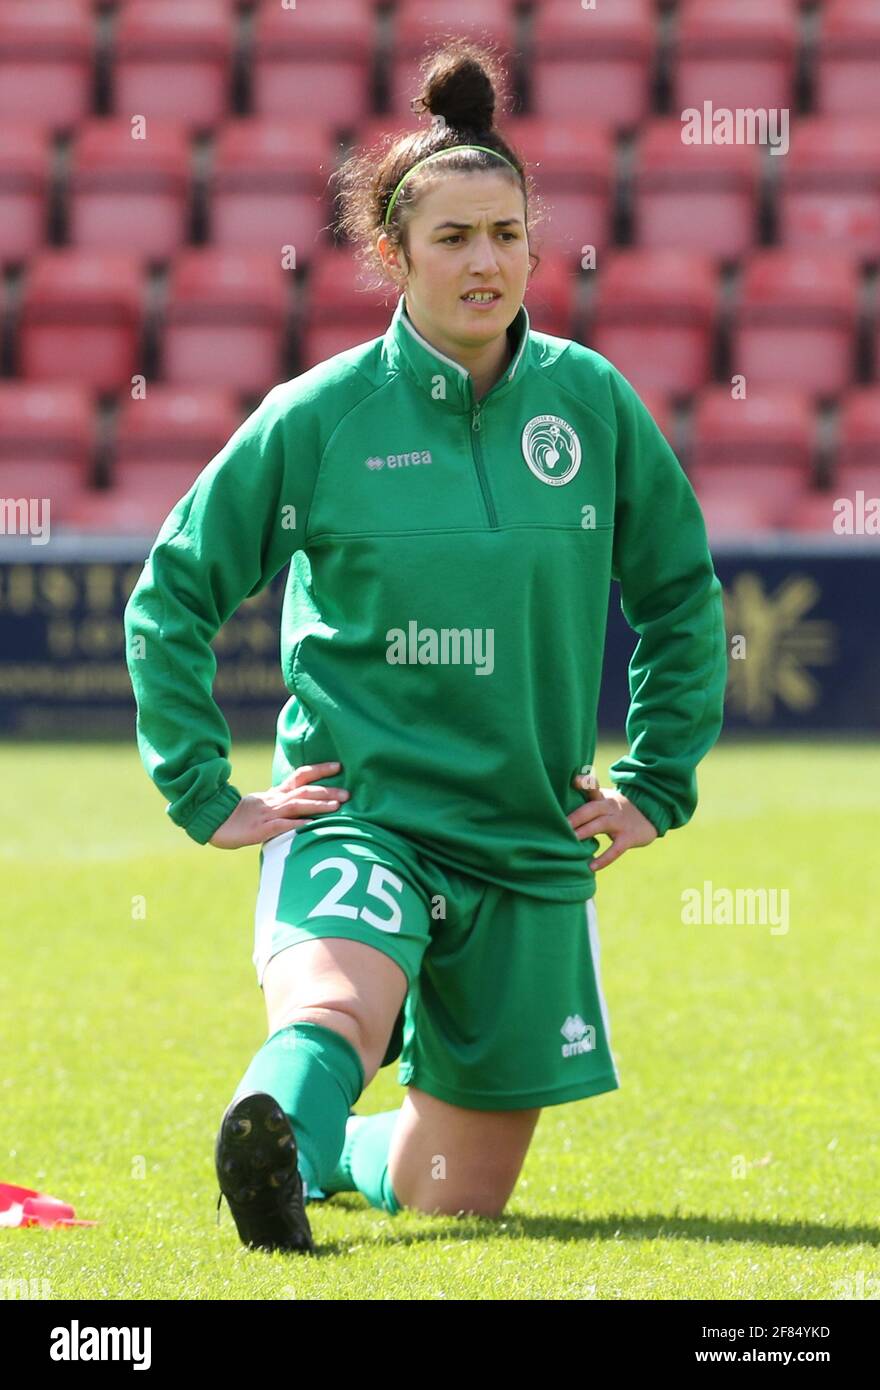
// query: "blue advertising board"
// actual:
[[803, 626]]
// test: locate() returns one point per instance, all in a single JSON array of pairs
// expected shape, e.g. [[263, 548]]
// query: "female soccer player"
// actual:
[[455, 498]]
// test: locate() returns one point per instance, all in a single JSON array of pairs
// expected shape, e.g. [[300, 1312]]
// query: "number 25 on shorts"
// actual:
[[331, 905]]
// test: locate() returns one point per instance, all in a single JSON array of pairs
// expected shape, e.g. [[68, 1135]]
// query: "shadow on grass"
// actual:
[[651, 1226]]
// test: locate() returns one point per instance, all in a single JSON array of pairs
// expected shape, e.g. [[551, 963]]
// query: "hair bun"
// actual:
[[460, 86]]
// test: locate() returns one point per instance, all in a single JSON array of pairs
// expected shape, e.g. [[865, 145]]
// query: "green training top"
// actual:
[[444, 615]]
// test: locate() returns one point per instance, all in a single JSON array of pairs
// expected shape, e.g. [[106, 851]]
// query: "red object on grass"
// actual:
[[22, 1206]]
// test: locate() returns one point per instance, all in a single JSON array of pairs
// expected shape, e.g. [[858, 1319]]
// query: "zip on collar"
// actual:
[[406, 348]]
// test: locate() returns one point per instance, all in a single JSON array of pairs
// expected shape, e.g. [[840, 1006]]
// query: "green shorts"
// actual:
[[504, 1008]]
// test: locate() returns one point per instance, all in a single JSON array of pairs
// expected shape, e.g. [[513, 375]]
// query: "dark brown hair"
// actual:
[[460, 83]]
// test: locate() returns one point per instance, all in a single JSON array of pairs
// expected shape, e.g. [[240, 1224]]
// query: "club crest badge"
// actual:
[[551, 449]]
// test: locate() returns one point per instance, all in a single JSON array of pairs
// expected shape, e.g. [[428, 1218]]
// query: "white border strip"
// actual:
[[593, 937], [275, 852]]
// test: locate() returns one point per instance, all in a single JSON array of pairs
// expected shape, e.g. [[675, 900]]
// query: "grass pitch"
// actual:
[[737, 1161]]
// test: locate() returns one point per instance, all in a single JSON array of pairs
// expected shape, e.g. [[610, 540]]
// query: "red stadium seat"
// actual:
[[550, 296], [848, 66], [25, 161], [315, 62], [181, 426], [703, 197], [418, 24], [159, 487], [45, 61], [654, 318], [593, 64], [783, 7], [163, 443], [659, 408], [830, 186], [762, 446], [231, 8], [98, 512], [138, 509], [572, 166], [448, 14], [733, 518], [268, 184], [795, 324], [813, 513], [47, 441], [81, 318], [130, 192], [342, 311], [225, 320], [374, 130], [735, 56], [173, 61], [30, 489], [858, 451]]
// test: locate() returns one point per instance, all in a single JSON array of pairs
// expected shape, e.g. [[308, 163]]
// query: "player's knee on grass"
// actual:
[[477, 1205], [449, 1160], [468, 1194]]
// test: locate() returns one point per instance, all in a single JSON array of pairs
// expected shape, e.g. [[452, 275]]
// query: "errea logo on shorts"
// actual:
[[579, 1036], [399, 460]]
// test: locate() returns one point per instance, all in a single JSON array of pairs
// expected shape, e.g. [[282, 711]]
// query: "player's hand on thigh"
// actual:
[[262, 815], [609, 812]]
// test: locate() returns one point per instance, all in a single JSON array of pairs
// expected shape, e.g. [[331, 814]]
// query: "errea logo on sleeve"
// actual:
[[400, 460]]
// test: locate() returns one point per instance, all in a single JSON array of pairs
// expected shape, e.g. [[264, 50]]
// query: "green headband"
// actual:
[[436, 155]]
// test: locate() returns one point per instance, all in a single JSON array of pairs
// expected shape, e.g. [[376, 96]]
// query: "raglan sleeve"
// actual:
[[672, 598], [223, 542]]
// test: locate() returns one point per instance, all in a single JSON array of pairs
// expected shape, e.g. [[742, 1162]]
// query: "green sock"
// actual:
[[316, 1076], [363, 1163]]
